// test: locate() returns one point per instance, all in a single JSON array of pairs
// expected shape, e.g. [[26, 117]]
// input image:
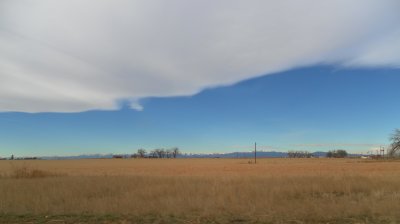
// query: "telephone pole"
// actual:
[[255, 152], [382, 151]]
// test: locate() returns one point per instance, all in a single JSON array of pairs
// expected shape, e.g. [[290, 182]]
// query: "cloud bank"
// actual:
[[78, 55]]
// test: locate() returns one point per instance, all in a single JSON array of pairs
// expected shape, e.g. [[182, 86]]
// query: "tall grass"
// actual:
[[26, 172], [307, 195]]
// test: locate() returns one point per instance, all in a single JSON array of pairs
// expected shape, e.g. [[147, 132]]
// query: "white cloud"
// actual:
[[383, 52], [77, 55]]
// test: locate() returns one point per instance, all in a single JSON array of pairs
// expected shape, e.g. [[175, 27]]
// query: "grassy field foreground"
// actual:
[[200, 191]]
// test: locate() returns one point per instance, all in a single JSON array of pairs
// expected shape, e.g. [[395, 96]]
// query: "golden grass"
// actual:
[[26, 172], [307, 190]]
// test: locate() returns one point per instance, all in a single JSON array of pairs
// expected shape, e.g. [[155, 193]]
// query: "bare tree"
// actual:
[[154, 153], [395, 145], [141, 153], [164, 153], [175, 152], [168, 153], [299, 154], [340, 153], [160, 153]]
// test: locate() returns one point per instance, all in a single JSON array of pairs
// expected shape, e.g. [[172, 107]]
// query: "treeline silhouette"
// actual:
[[157, 153]]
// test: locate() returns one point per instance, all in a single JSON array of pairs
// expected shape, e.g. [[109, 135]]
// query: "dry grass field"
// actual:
[[200, 191]]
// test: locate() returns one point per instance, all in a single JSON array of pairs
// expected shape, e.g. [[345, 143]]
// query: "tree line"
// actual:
[[340, 153], [157, 153], [299, 154], [393, 149]]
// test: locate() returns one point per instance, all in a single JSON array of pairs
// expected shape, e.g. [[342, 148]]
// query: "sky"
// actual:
[[94, 76]]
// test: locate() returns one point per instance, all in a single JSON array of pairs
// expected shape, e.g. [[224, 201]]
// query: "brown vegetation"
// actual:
[[273, 190], [26, 172]]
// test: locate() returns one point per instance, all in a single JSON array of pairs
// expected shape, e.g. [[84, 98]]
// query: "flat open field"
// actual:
[[200, 191]]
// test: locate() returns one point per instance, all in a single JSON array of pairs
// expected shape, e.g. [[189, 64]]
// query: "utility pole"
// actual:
[[255, 152]]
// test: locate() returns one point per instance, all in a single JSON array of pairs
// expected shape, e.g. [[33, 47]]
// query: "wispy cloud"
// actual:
[[73, 55]]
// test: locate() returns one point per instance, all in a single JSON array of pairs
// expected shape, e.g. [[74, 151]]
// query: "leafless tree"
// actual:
[[163, 153], [340, 153], [395, 145], [299, 154], [168, 153], [160, 153], [141, 153], [175, 152], [154, 153]]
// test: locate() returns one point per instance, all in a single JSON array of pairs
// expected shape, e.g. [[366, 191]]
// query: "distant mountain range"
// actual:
[[85, 156], [260, 154]]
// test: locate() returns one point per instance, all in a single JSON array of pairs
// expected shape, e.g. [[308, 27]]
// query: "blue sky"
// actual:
[[82, 77], [311, 108]]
